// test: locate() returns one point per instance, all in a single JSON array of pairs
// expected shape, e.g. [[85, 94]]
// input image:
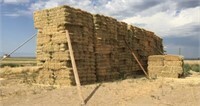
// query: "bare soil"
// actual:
[[130, 92]]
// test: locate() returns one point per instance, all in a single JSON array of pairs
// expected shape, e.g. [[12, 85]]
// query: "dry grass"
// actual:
[[192, 61], [18, 62], [129, 92], [24, 74], [16, 70]]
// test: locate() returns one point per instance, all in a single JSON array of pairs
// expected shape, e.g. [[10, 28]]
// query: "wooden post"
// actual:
[[78, 85]]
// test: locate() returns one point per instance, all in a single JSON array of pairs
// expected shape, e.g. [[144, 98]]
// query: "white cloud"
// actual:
[[17, 13], [15, 1], [187, 16], [162, 17], [164, 22], [12, 14], [54, 3], [126, 8]]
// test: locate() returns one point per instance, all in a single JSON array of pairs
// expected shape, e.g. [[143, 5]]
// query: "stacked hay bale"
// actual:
[[144, 44], [165, 66], [98, 44], [105, 40], [153, 44], [126, 39], [140, 41], [137, 47], [52, 49]]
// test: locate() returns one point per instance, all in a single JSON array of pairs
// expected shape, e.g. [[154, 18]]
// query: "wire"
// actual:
[[19, 46]]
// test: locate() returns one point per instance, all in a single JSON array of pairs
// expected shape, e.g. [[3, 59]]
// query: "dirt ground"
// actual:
[[130, 92]]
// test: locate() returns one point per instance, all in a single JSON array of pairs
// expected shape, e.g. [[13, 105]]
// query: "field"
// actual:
[[18, 61], [17, 88], [192, 61]]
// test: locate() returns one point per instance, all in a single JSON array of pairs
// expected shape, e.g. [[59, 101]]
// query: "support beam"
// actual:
[[78, 85]]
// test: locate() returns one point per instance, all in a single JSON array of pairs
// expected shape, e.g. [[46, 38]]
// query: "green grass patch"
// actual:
[[195, 67], [9, 65], [186, 69], [191, 67]]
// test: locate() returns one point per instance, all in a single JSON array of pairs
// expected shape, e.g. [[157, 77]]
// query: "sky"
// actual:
[[176, 21]]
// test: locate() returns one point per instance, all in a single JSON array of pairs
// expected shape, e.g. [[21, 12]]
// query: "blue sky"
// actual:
[[176, 21]]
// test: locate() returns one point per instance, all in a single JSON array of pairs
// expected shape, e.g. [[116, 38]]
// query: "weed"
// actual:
[[192, 67], [186, 69], [9, 65], [195, 67]]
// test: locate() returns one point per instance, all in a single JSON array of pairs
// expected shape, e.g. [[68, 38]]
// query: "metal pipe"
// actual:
[[19, 46]]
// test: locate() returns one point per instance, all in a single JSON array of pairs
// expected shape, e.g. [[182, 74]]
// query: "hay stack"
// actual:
[[98, 42], [52, 49], [106, 48], [165, 66], [127, 63]]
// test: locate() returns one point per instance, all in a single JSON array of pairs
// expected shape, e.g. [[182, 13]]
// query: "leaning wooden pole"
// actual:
[[137, 60], [74, 68]]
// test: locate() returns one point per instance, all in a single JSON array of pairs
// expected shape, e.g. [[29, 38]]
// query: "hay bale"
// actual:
[[156, 58], [173, 63], [172, 66], [45, 77], [156, 63], [173, 58]]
